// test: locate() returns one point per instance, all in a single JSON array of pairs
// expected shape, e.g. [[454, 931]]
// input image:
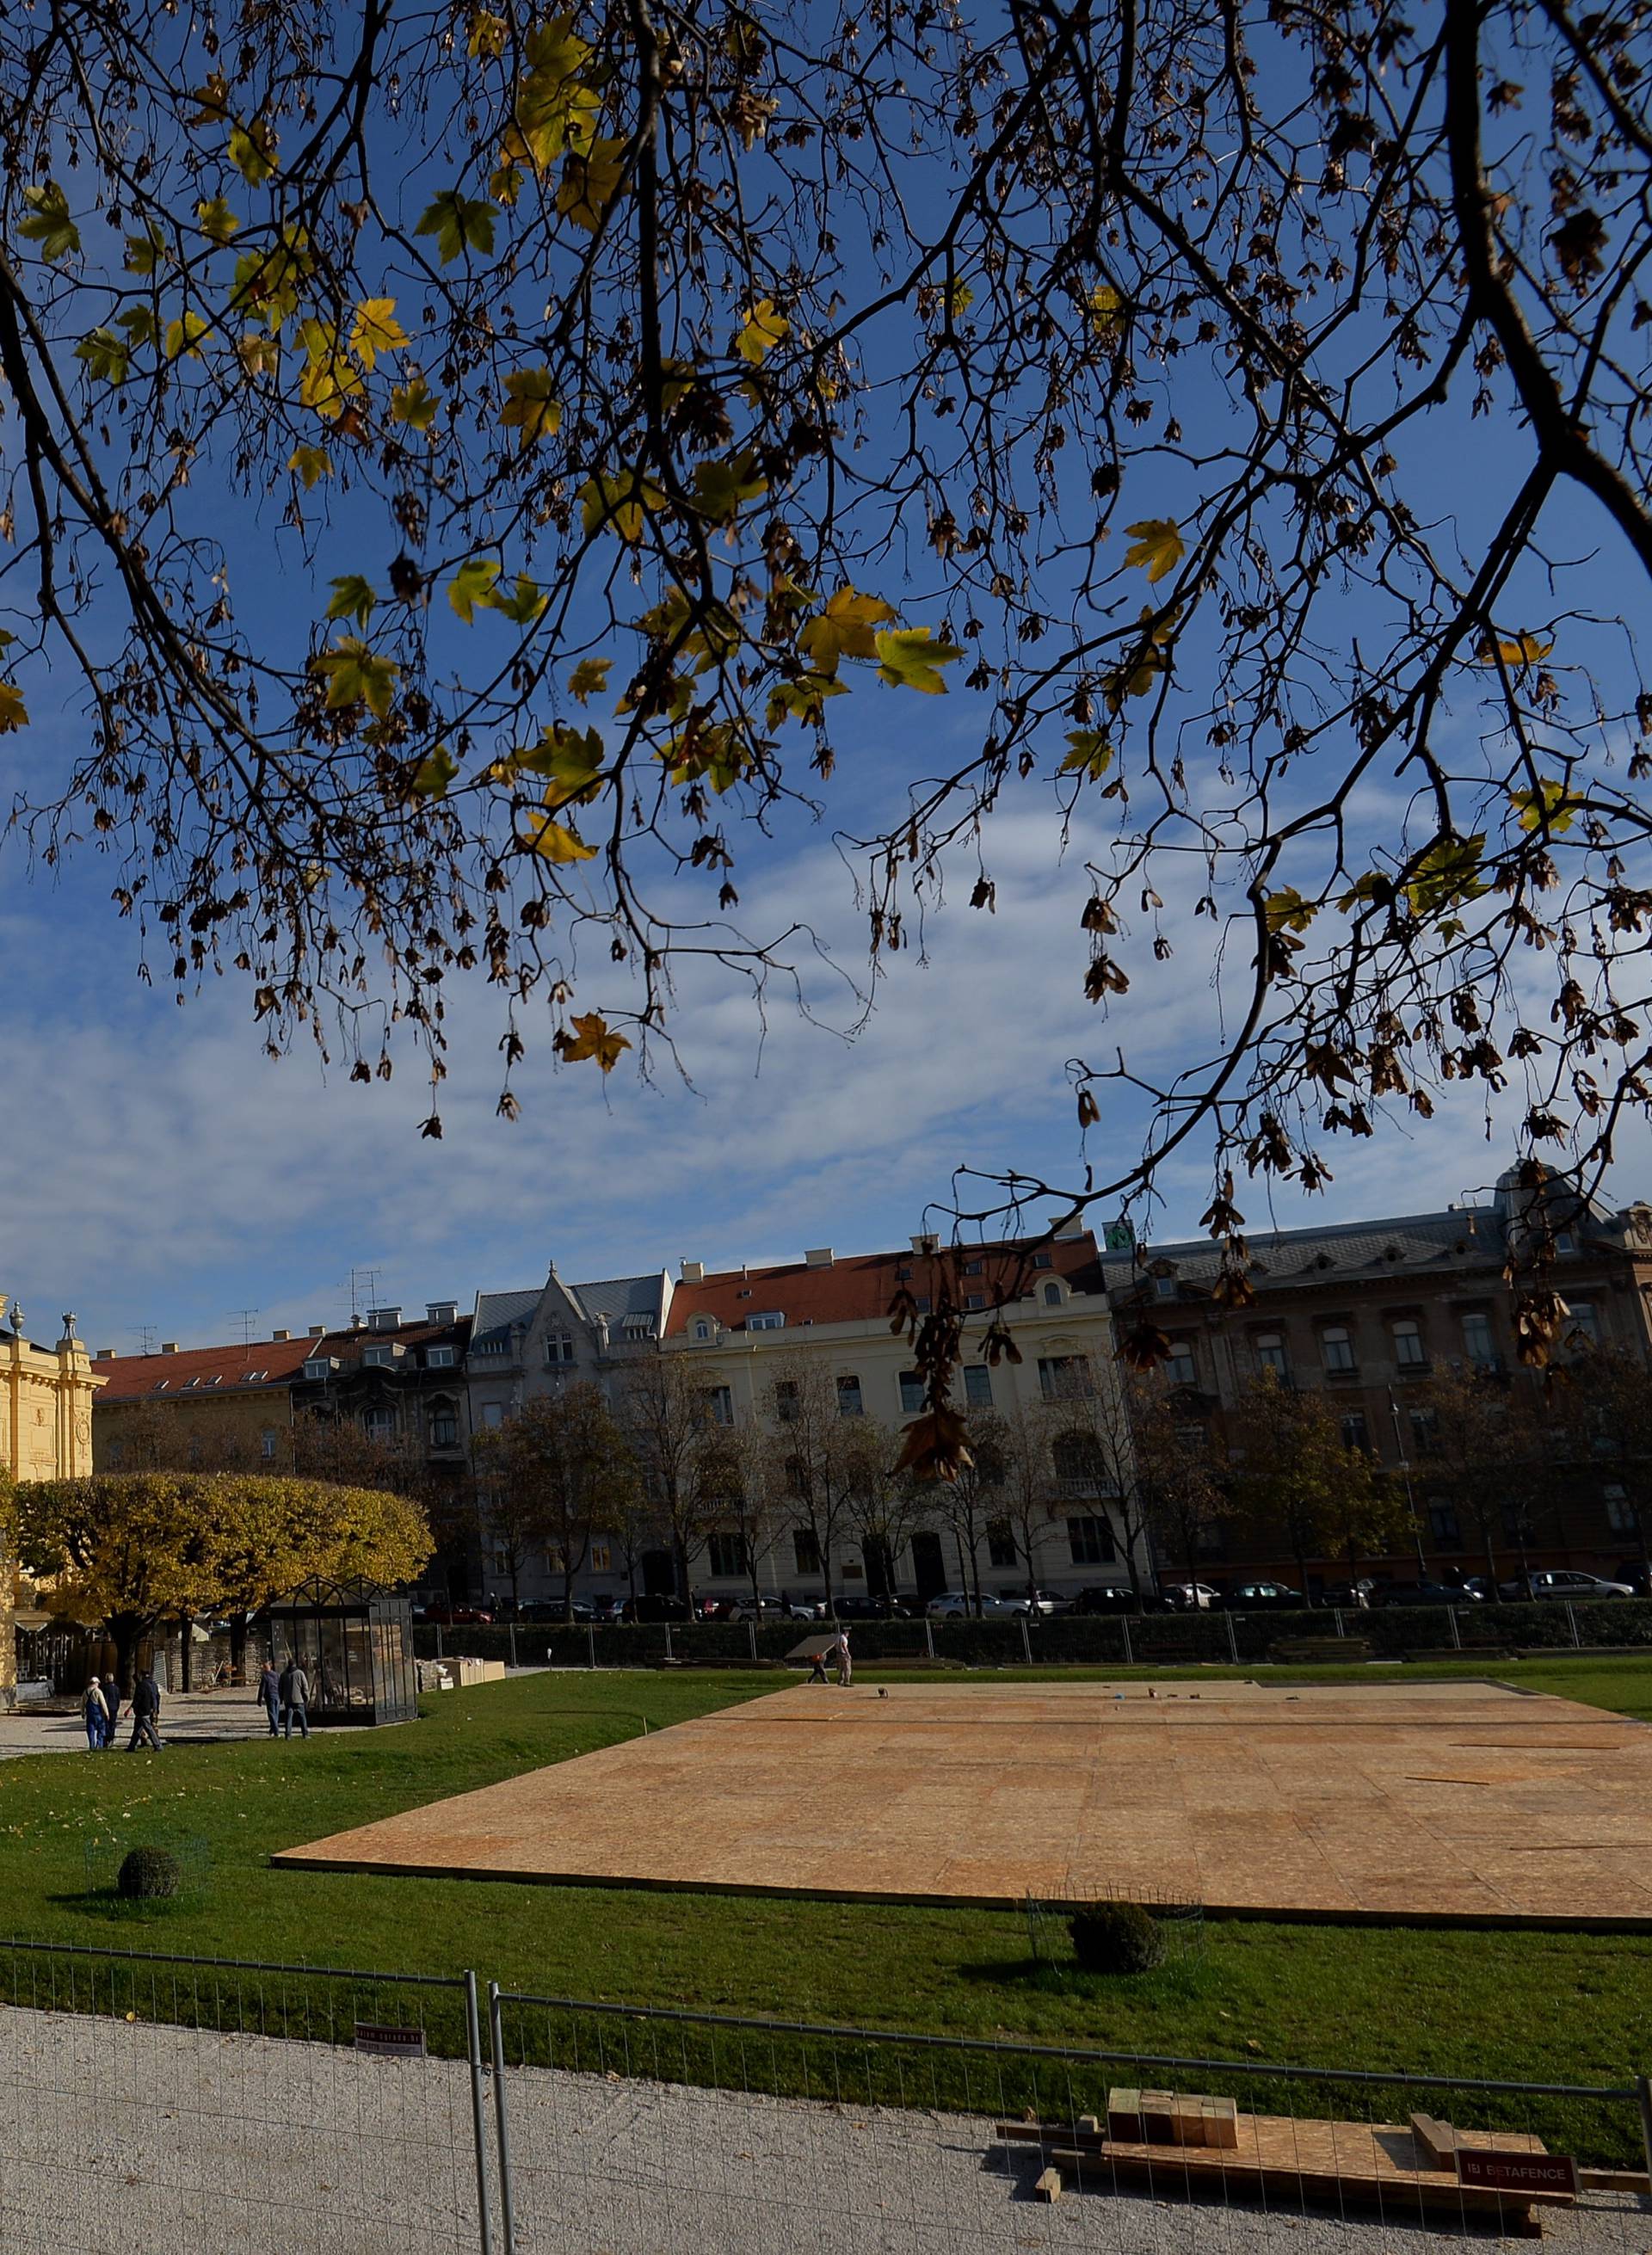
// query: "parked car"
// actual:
[[554, 1609], [1262, 1596], [1423, 1593], [651, 1606], [761, 1608], [1038, 1606], [1110, 1598], [956, 1604], [853, 1609], [605, 1608], [1561, 1582], [1637, 1574], [1187, 1597]]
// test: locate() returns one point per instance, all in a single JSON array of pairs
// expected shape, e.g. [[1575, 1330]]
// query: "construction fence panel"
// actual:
[[150, 2101], [626, 2131]]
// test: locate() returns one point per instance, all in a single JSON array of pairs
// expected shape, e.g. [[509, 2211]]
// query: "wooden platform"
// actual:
[[1409, 1801], [1380, 2166]]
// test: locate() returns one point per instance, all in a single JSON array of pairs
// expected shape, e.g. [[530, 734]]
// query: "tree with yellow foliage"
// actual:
[[132, 1548]]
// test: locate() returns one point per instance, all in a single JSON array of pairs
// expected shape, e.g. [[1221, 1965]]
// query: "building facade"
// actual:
[[46, 1433], [1371, 1313], [750, 1335]]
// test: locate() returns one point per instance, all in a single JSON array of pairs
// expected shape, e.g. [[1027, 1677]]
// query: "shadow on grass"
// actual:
[[1183, 1980]]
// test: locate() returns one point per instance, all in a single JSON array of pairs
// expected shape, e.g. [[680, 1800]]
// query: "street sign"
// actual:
[[390, 2042], [1518, 2174]]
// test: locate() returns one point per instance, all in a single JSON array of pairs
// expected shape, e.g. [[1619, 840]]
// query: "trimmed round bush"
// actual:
[[1116, 1938], [149, 1874]]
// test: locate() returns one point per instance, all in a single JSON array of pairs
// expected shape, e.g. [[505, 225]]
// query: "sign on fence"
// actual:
[[390, 2042], [1517, 2173]]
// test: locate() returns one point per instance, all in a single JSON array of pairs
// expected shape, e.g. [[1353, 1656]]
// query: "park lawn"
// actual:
[[1526, 2005]]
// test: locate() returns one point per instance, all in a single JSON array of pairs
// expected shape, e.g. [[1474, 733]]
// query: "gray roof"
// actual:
[[1464, 1238], [496, 1311], [615, 1297]]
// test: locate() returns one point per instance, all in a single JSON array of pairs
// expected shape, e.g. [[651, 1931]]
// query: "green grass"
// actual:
[[1525, 2006]]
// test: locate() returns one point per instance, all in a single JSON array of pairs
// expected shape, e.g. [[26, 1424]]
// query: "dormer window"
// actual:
[[702, 1327], [559, 1347], [318, 1366], [771, 1319]]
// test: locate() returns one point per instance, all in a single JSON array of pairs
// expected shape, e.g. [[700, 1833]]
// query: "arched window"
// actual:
[[444, 1423], [702, 1328], [1081, 1467], [1052, 1296]]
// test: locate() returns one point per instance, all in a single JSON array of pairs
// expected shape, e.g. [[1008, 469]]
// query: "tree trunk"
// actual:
[[237, 1647], [125, 1630], [186, 1651]]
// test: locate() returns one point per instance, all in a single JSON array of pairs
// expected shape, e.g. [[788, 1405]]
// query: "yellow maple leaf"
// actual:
[[592, 1037], [1159, 545], [845, 628], [908, 659], [310, 463], [1514, 650], [555, 841], [590, 182], [531, 409], [252, 151], [414, 403], [617, 504], [763, 329], [589, 678], [487, 33], [13, 712], [375, 330]]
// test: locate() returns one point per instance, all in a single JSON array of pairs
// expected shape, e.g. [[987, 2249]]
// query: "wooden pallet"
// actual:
[[1280, 2158]]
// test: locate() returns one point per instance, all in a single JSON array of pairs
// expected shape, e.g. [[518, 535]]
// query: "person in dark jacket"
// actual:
[[112, 1701], [269, 1696], [145, 1713], [295, 1697]]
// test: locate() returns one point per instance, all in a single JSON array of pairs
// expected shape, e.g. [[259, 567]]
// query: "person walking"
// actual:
[[112, 1701], [295, 1698], [846, 1662], [94, 1708], [145, 1713], [268, 1695]]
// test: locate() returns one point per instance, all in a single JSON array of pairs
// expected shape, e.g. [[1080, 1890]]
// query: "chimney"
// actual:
[[1069, 1229], [818, 1256], [169, 1346], [280, 1338], [318, 1330], [441, 1312], [694, 1272], [104, 1354], [924, 1243], [383, 1319]]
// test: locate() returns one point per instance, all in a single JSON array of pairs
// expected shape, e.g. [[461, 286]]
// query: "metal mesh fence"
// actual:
[[149, 2101], [625, 2131]]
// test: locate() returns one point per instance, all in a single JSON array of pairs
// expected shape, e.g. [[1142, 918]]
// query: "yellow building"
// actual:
[[46, 1433]]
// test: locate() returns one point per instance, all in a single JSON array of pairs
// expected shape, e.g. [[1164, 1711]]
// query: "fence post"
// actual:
[[1233, 1640], [478, 2111], [439, 1639], [1573, 1619], [668, 1654], [1457, 1632], [752, 1626], [1026, 1640], [510, 1632], [928, 1636], [1643, 2092], [1129, 1651], [502, 2118], [1336, 1614]]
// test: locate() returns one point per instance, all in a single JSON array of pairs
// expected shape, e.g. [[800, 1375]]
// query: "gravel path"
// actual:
[[119, 2139]]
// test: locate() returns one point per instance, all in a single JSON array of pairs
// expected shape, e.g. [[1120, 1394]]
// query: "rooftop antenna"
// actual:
[[245, 1317], [370, 1278], [145, 1338]]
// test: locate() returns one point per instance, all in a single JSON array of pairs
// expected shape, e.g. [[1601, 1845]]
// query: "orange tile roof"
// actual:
[[858, 1288], [138, 1377]]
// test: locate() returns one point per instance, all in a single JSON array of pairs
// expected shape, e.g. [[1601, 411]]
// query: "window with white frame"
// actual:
[[267, 1443], [444, 1425], [849, 1402], [1621, 1515], [1336, 1347], [1409, 1353], [769, 1319], [440, 1358], [1090, 1540], [702, 1327], [381, 1422], [1180, 1366], [1478, 1344], [911, 1392], [978, 1385], [1052, 1296], [721, 1403], [559, 1347], [1268, 1347], [601, 1558], [726, 1554], [1064, 1377]]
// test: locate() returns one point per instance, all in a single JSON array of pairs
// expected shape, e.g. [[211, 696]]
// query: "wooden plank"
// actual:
[[1435, 2141], [1185, 2170], [1615, 2181], [1049, 2186]]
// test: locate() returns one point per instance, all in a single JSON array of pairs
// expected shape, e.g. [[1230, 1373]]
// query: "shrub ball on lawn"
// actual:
[[148, 1874], [1116, 1938]]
